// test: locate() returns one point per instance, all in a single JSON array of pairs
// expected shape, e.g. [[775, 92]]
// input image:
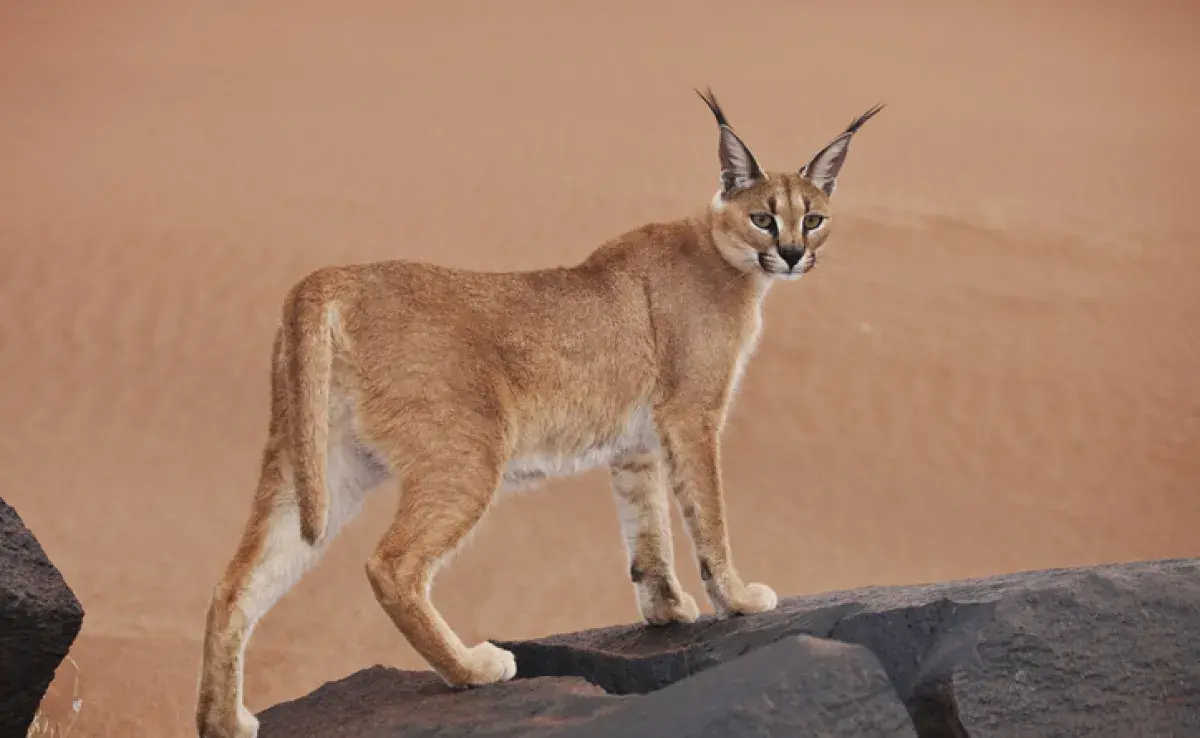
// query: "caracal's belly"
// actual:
[[574, 448]]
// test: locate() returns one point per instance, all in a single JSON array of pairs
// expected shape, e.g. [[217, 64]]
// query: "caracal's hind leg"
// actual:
[[640, 488], [270, 560], [444, 493]]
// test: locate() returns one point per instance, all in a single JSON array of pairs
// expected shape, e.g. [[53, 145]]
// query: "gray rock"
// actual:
[[1098, 651], [797, 686], [1105, 650], [380, 702], [39, 619]]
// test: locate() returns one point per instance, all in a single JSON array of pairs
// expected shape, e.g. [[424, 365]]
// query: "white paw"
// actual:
[[241, 724], [751, 598], [758, 598], [488, 664], [662, 612], [247, 726]]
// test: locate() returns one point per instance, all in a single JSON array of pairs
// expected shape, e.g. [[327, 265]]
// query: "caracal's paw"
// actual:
[[750, 599], [247, 724], [244, 725], [488, 664], [664, 611], [759, 598]]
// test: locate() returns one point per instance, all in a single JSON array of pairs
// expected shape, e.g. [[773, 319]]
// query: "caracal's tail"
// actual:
[[309, 338]]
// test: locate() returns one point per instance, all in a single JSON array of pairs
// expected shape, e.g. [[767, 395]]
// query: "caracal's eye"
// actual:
[[813, 221], [765, 221]]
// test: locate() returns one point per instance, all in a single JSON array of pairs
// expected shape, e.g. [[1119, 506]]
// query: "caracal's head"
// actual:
[[774, 223]]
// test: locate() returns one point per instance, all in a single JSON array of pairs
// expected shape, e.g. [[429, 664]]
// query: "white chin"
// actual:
[[787, 276]]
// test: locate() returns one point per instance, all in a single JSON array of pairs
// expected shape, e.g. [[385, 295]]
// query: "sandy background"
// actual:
[[997, 367]]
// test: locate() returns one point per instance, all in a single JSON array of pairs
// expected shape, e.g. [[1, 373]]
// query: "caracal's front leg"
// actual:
[[639, 486], [693, 465]]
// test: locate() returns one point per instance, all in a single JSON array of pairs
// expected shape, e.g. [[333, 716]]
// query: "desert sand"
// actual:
[[996, 367]]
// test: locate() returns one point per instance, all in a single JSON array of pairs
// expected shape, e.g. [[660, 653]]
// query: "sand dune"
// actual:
[[996, 368]]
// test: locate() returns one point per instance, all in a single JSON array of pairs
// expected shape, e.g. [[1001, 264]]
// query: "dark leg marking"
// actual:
[[665, 593]]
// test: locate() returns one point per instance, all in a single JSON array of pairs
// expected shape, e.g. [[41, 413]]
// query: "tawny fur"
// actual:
[[459, 384]]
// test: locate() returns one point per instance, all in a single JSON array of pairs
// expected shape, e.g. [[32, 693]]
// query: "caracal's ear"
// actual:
[[738, 167], [823, 170]]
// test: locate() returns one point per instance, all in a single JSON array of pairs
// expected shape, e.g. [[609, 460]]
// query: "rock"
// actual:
[[388, 702], [797, 686], [814, 686], [1100, 651], [1105, 650], [39, 619], [919, 644], [1109, 650]]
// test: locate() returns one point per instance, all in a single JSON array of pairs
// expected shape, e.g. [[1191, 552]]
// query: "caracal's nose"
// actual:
[[791, 254]]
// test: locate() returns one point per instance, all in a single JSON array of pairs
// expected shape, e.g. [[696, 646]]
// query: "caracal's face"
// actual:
[[774, 223], [775, 228]]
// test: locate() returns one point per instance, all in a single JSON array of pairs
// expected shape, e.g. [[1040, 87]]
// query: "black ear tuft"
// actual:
[[824, 167], [860, 120], [711, 101], [738, 166]]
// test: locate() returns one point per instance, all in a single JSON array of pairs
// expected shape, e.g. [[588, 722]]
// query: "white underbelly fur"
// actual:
[[637, 437], [354, 468]]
